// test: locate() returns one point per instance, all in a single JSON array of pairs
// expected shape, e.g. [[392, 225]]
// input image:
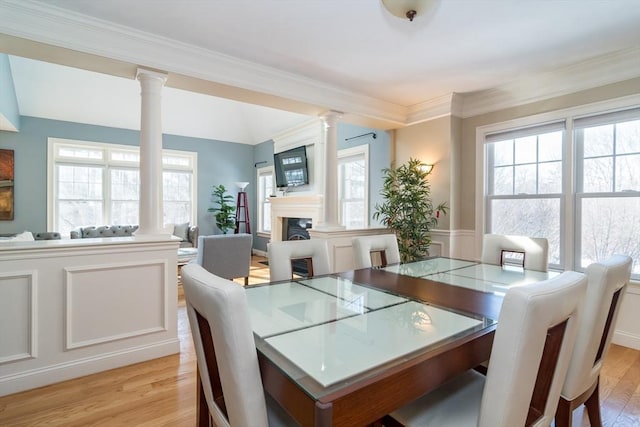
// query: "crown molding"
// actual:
[[43, 23], [59, 27], [442, 106], [595, 72], [309, 132]]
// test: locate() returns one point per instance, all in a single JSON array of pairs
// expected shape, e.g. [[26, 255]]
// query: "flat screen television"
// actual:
[[291, 167]]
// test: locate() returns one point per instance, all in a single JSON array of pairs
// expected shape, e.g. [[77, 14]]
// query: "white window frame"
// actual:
[[359, 150], [568, 230], [54, 144], [261, 199], [537, 130]]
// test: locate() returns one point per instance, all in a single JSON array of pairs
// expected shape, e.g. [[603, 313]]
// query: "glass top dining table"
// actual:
[[383, 335]]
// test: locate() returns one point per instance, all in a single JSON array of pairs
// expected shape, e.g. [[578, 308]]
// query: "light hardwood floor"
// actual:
[[161, 392]]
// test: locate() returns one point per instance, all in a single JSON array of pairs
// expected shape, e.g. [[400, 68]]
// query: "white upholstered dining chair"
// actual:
[[386, 245], [607, 283], [281, 254], [533, 343], [534, 249], [226, 353]]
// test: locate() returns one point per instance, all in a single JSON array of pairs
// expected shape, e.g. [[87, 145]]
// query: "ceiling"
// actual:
[[339, 47], [69, 94]]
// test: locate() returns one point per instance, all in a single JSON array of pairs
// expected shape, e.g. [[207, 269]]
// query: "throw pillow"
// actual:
[[26, 236], [182, 231]]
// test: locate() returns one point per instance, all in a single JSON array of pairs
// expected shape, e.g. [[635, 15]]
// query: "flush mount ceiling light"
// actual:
[[408, 8]]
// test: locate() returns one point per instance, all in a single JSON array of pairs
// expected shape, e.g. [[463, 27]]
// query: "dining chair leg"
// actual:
[[202, 409], [564, 414], [593, 406]]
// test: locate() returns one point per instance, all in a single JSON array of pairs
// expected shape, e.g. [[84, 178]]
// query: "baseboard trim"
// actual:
[[26, 380], [626, 339], [259, 252]]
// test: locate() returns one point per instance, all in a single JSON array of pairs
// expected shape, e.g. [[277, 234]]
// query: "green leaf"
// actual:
[[225, 210], [408, 209]]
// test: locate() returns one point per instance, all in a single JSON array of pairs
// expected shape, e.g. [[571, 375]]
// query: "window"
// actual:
[[265, 189], [353, 172], [95, 183], [524, 188], [608, 187], [579, 187], [178, 187]]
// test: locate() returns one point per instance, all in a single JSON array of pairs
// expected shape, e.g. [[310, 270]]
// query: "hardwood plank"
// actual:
[[626, 368], [630, 413]]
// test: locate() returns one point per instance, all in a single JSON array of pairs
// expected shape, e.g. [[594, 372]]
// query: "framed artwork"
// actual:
[[6, 185]]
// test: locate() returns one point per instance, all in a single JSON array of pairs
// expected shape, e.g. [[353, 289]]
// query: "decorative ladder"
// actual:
[[242, 213]]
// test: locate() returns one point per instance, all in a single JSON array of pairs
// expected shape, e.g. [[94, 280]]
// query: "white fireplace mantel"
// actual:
[[294, 207]]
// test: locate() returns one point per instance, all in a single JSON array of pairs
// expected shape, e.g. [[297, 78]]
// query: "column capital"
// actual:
[[146, 74], [331, 117]]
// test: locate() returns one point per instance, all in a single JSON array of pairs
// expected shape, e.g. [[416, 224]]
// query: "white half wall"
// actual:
[[70, 308]]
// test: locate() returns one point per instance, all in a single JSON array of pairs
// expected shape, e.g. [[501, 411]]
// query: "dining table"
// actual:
[[346, 349]]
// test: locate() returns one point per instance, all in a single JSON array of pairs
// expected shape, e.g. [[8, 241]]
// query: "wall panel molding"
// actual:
[[120, 310], [19, 318]]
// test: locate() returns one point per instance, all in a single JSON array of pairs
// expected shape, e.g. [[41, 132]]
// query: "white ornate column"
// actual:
[[331, 173], [151, 205]]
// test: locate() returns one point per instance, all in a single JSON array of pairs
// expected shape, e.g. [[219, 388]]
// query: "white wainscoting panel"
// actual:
[[18, 315], [463, 245], [109, 302], [627, 332], [74, 307]]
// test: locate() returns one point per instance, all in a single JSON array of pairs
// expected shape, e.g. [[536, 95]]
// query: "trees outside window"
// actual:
[[575, 182], [353, 186], [97, 183]]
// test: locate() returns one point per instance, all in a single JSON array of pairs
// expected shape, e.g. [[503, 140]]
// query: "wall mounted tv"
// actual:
[[291, 167]]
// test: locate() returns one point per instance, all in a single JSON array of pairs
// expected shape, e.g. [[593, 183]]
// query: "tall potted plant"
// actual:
[[225, 211], [408, 208]]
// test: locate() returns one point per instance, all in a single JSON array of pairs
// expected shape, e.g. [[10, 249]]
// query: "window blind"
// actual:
[[607, 118], [524, 132]]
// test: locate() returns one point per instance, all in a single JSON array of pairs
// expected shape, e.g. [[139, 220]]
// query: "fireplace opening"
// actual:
[[296, 228]]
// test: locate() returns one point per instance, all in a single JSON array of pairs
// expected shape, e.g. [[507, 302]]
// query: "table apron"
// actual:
[[370, 399]]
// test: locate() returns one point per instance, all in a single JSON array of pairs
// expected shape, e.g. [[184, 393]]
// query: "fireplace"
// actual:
[[296, 208], [296, 228]]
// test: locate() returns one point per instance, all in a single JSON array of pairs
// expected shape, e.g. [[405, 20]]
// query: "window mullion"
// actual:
[[568, 206], [106, 194]]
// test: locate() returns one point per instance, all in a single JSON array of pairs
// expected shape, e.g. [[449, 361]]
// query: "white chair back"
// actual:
[[219, 318], [534, 340], [385, 244], [535, 250], [607, 283], [281, 253]]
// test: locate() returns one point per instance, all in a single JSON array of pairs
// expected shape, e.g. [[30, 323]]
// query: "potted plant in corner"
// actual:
[[225, 211], [408, 209]]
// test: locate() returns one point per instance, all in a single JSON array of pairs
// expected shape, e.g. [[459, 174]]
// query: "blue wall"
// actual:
[[8, 101], [261, 153], [218, 163], [379, 158]]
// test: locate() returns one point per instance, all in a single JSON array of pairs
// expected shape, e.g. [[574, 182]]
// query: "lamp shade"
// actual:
[[242, 185], [409, 9], [426, 168]]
